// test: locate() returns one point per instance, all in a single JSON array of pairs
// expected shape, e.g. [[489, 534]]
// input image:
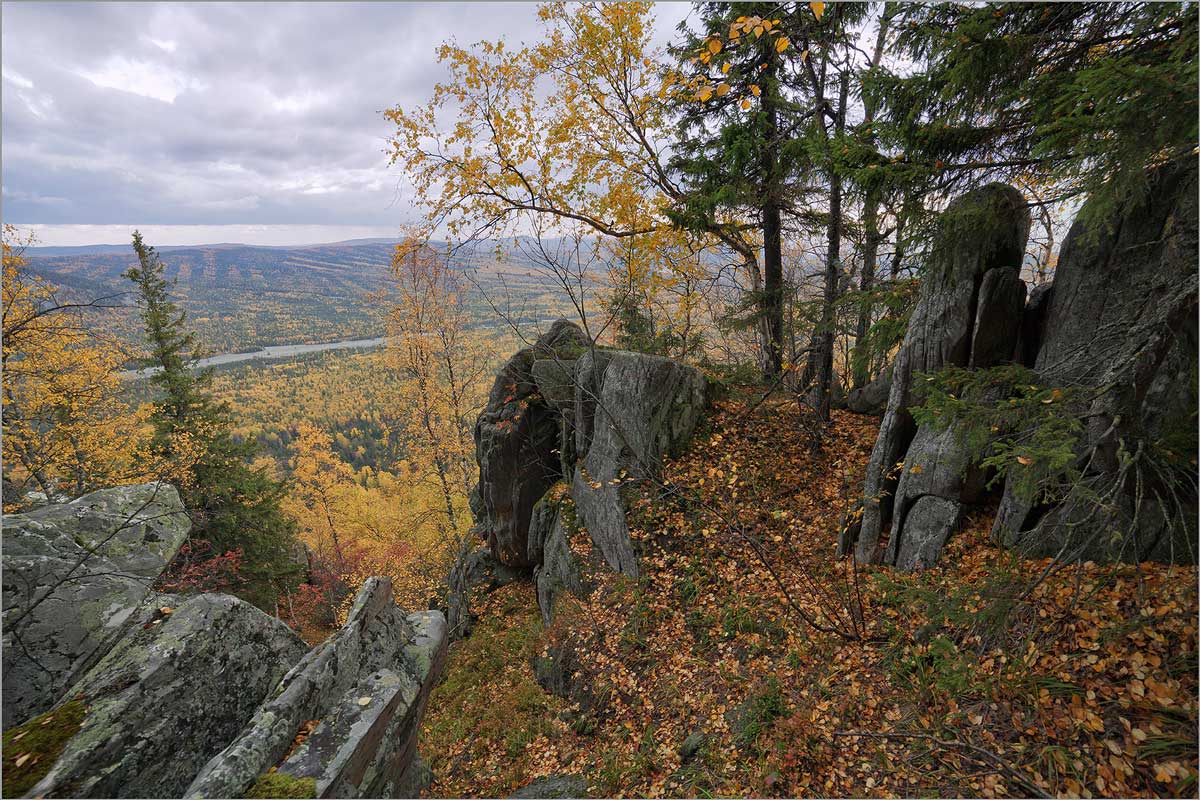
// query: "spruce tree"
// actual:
[[735, 161], [232, 505], [1078, 97]]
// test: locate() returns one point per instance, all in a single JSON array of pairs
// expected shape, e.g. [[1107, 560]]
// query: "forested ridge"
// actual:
[[807, 407]]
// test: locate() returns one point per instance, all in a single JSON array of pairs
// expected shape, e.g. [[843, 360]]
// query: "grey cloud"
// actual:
[[274, 113]]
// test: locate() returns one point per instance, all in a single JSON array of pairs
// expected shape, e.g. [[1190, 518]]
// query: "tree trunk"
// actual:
[[821, 358], [866, 282], [772, 225], [861, 360]]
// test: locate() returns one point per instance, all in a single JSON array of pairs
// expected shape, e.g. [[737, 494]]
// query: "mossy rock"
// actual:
[[276, 784], [36, 745]]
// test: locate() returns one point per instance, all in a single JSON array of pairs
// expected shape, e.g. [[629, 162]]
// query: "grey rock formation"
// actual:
[[596, 418], [872, 399], [1121, 325], [163, 701], [75, 577], [1033, 322], [981, 231], [999, 305], [643, 408], [927, 525], [558, 570], [517, 443], [390, 657], [554, 786]]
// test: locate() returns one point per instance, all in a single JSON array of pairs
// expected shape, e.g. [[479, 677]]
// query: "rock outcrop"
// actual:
[[161, 703], [200, 694], [517, 442], [872, 399], [631, 411], [1120, 324], [1114, 336], [76, 578], [967, 314], [368, 684], [596, 419]]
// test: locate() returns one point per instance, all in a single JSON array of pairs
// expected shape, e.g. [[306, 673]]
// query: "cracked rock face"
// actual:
[[518, 440], [166, 697], [596, 418], [1120, 323], [390, 659], [593, 418], [75, 577], [968, 314], [632, 410]]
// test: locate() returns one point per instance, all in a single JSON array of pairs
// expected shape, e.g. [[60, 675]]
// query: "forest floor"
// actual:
[[703, 677]]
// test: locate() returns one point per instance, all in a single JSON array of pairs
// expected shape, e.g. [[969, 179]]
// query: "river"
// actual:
[[282, 351], [271, 353]]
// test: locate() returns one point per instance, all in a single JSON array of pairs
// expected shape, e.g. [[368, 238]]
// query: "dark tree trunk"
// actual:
[[821, 358], [772, 298], [866, 282]]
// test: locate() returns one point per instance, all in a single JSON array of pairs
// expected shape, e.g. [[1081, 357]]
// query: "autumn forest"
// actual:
[[792, 400]]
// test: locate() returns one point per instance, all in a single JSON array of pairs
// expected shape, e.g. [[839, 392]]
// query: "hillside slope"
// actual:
[[240, 297], [704, 679]]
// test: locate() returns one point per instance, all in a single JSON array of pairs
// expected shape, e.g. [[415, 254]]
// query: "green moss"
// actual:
[[489, 696], [37, 744], [277, 784]]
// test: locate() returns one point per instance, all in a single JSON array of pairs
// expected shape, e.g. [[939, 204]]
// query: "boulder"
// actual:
[[168, 695], [554, 786], [872, 399], [383, 654], [928, 524], [632, 410], [517, 444], [75, 577], [983, 230], [937, 466], [1120, 325]]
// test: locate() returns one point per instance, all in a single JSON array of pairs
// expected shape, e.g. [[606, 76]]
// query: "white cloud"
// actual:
[[17, 79], [142, 78]]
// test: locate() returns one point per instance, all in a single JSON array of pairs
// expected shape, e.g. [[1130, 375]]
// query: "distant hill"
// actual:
[[242, 296]]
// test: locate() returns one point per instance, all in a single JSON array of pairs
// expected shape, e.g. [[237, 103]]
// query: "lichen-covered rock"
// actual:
[[517, 443], [75, 576], [377, 637], [632, 410], [350, 753], [1121, 324], [983, 230], [168, 695], [928, 524], [937, 465]]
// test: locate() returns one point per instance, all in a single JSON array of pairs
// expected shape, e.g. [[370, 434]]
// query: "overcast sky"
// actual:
[[260, 116]]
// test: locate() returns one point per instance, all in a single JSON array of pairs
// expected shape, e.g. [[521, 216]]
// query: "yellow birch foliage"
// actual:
[[65, 428], [569, 132]]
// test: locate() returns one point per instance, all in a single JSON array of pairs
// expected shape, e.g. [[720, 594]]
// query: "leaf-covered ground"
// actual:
[[702, 678]]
